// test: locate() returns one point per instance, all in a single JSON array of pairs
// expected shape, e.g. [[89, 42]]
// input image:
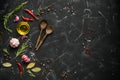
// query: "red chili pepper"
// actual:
[[31, 13], [27, 19], [20, 68]]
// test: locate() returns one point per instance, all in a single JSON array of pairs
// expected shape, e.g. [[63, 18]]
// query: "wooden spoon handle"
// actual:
[[38, 39], [41, 42]]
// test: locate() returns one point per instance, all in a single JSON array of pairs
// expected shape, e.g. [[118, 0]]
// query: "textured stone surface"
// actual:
[[84, 45]]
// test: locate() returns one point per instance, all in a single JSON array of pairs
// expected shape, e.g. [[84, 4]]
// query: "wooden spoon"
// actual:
[[43, 25], [49, 30]]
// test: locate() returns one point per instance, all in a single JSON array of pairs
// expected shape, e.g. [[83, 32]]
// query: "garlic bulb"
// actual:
[[14, 43], [16, 18]]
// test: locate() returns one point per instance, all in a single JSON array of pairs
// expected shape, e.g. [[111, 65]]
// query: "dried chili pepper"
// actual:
[[31, 13], [20, 68], [27, 19]]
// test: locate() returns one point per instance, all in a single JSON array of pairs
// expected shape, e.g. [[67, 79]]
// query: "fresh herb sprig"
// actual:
[[30, 73], [7, 16], [22, 49], [5, 50]]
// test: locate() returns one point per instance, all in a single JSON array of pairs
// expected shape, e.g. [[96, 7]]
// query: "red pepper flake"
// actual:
[[88, 52], [20, 68], [27, 19], [31, 13]]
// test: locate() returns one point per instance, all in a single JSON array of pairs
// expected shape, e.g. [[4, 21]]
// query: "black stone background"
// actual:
[[84, 23]]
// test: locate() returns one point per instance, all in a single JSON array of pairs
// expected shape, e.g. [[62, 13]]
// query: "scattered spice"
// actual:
[[47, 8], [6, 54], [27, 19], [65, 74], [31, 13], [40, 11], [7, 16], [7, 64], [22, 49], [30, 65], [36, 69], [30, 73], [88, 52]]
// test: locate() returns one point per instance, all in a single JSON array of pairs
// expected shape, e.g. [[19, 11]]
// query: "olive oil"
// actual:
[[23, 28]]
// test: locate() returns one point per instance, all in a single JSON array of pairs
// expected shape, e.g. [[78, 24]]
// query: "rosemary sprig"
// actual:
[[7, 16], [30, 73], [22, 49]]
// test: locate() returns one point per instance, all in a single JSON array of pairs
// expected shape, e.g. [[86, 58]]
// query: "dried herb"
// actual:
[[6, 54], [7, 64], [31, 65], [30, 73], [22, 49], [5, 50], [36, 69], [7, 16], [41, 10]]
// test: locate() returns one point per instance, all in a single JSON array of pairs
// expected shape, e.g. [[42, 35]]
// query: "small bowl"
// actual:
[[23, 28]]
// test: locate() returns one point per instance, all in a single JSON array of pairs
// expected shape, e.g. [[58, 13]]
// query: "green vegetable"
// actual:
[[22, 49], [30, 73], [5, 50], [7, 16]]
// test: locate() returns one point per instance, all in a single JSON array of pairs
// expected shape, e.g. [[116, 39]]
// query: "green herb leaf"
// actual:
[[30, 65], [5, 50], [22, 49], [7, 16], [36, 69], [30, 73]]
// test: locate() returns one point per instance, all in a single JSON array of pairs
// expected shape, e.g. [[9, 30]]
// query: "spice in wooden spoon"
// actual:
[[43, 25], [49, 30]]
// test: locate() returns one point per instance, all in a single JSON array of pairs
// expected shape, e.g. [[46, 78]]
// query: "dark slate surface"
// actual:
[[78, 25]]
